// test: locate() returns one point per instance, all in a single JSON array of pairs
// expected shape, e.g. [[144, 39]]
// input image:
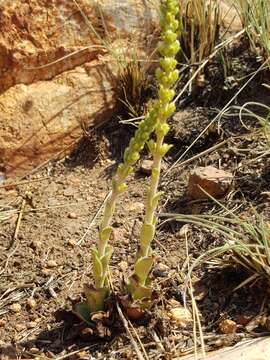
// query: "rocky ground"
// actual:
[[46, 264]]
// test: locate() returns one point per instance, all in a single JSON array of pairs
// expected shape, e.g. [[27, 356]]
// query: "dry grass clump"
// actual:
[[254, 15], [199, 30], [247, 242]]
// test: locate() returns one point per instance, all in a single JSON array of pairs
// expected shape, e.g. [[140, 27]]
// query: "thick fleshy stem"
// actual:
[[166, 75]]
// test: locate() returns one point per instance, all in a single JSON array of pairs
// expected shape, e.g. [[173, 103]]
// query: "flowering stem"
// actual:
[[166, 75]]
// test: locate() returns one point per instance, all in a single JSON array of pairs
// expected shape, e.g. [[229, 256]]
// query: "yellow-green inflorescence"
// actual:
[[167, 75], [156, 118]]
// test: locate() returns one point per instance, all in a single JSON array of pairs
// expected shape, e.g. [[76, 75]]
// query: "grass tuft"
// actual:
[[254, 15]]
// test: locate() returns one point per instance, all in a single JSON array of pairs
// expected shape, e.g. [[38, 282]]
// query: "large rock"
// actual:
[[44, 103], [44, 108]]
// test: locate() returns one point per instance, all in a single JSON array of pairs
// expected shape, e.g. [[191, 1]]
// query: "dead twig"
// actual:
[[133, 342]]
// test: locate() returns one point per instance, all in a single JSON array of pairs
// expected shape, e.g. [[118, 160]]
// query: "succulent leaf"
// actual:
[[143, 267]]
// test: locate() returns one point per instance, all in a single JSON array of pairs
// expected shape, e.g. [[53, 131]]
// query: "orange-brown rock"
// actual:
[[213, 181], [45, 102]]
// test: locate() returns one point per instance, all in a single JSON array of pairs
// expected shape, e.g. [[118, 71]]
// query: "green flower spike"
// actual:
[[138, 284]]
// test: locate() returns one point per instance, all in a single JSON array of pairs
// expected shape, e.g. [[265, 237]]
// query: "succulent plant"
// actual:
[[167, 75], [156, 118]]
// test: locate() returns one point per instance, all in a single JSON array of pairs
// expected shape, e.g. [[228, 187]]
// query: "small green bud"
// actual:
[[152, 146], [120, 169], [169, 36], [169, 16], [144, 136], [173, 25], [133, 157], [169, 110], [126, 154], [168, 64], [129, 170], [172, 6], [165, 95], [159, 74], [170, 79], [172, 49], [121, 188], [164, 149], [162, 129]]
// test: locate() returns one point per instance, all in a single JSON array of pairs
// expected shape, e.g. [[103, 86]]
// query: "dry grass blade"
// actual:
[[135, 345], [262, 115], [195, 311]]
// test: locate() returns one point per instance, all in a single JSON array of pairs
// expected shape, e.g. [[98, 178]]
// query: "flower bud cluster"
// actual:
[[166, 75]]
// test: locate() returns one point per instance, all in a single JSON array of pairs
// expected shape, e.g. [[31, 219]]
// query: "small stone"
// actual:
[[51, 263], [2, 322], [123, 265], [184, 230], [213, 181], [31, 303], [16, 308], [72, 242], [181, 316], [35, 245], [72, 215], [228, 326], [20, 327], [146, 167], [161, 270]]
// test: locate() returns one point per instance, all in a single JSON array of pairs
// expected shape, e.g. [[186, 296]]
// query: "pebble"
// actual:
[[181, 316], [72, 243], [123, 265], [72, 215], [16, 308], [161, 270], [31, 303], [36, 245], [146, 167], [228, 326], [51, 263]]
